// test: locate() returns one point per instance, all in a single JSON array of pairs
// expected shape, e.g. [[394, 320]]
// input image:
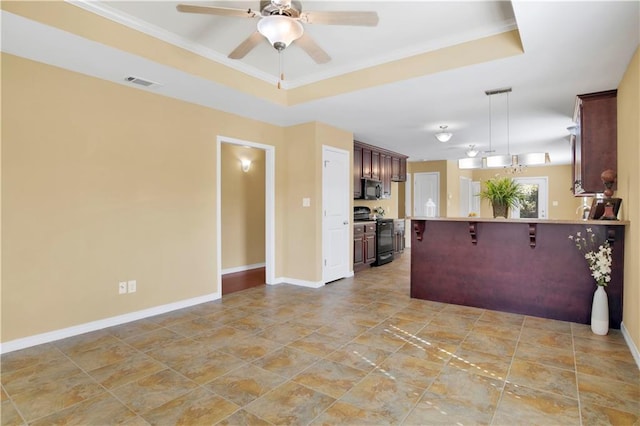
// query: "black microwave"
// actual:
[[371, 189]]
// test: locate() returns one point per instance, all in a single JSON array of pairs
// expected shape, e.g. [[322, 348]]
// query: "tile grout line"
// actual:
[[506, 377], [575, 368], [15, 406]]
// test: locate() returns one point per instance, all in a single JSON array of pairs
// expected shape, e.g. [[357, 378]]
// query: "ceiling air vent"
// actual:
[[141, 82]]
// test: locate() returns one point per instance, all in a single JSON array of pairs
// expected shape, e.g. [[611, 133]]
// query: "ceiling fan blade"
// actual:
[[312, 48], [220, 11], [365, 19], [246, 46]]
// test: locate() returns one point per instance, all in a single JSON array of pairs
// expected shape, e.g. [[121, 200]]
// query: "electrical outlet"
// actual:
[[131, 286], [122, 287]]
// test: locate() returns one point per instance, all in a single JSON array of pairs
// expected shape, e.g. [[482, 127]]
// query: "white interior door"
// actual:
[[465, 196], [425, 186], [336, 241], [535, 204], [475, 197]]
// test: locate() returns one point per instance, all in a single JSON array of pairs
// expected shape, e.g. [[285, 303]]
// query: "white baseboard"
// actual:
[[243, 268], [304, 283], [632, 347], [51, 336], [301, 283]]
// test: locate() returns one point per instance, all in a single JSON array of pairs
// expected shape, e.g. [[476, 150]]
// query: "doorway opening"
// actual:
[[246, 274], [535, 202]]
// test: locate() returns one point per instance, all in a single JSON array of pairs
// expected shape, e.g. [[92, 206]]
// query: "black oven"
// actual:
[[384, 241]]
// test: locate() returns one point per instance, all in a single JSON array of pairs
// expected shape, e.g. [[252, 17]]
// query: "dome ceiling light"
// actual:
[[443, 135]]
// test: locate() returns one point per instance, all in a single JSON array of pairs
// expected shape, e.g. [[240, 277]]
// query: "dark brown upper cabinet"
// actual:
[[372, 162], [594, 145]]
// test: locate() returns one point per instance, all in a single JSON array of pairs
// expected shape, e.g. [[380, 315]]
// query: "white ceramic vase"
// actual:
[[600, 312]]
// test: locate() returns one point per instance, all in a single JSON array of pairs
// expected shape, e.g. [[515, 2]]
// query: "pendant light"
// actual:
[[510, 163], [494, 161], [443, 135]]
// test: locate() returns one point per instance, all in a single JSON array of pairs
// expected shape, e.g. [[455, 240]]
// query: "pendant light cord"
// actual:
[[280, 73], [508, 133], [490, 121]]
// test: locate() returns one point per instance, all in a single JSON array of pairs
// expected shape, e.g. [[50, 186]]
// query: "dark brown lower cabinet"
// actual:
[[398, 236], [364, 244]]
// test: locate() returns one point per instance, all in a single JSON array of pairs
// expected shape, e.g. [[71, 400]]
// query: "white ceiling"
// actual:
[[570, 48]]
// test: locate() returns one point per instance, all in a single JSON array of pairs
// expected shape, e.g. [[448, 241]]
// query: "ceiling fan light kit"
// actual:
[[280, 22], [280, 30], [443, 135]]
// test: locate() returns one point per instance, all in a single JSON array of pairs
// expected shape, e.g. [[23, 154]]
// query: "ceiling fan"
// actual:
[[280, 22]]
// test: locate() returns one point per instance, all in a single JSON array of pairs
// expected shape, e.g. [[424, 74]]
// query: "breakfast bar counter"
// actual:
[[524, 266]]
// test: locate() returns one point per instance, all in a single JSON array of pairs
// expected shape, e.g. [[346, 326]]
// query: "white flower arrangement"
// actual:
[[379, 211], [598, 256]]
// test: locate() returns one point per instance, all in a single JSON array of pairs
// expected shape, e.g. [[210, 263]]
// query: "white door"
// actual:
[[475, 197], [336, 242], [536, 198], [465, 196], [425, 186]]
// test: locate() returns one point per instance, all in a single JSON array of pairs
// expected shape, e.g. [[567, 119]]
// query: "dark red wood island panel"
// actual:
[[518, 266]]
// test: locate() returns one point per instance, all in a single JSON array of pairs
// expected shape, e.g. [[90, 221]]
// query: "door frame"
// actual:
[[269, 213]]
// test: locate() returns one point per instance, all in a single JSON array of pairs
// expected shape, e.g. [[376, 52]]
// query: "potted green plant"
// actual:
[[502, 193]]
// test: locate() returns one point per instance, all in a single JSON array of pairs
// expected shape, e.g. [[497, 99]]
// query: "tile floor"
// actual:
[[358, 351]]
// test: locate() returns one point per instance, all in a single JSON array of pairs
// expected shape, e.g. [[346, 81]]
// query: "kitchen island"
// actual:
[[524, 266]]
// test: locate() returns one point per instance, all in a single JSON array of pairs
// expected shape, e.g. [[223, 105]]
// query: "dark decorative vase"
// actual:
[[500, 210]]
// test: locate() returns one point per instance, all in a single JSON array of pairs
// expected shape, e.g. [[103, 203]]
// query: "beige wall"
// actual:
[[243, 206], [559, 178], [103, 183], [628, 189], [301, 221]]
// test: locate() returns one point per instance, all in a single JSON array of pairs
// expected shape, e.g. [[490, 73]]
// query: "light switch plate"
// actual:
[[131, 286], [306, 202]]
